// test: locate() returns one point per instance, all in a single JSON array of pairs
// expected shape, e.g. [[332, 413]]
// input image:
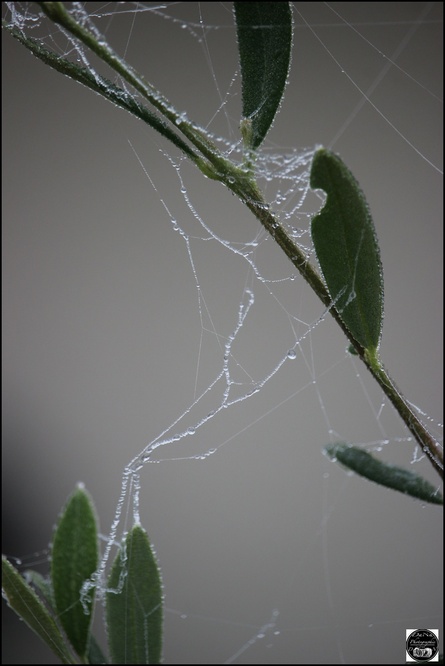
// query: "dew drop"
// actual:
[[291, 354]]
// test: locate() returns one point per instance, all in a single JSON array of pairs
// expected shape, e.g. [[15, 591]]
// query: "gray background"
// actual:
[[101, 334]]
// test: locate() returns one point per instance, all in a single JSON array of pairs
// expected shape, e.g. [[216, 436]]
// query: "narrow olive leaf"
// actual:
[[134, 603], [74, 559], [25, 602], [347, 251], [264, 31], [44, 587], [385, 474], [102, 86]]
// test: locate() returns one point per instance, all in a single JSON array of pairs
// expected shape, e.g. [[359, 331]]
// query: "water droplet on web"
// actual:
[[191, 430], [291, 354]]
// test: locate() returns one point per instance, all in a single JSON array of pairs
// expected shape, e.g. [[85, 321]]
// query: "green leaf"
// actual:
[[74, 559], [264, 31], [385, 474], [134, 603], [44, 587], [25, 602], [347, 251]]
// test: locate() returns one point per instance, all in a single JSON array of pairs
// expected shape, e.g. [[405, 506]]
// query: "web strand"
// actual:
[[266, 379]]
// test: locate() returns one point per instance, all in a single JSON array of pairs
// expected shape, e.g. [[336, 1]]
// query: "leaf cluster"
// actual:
[[60, 609]]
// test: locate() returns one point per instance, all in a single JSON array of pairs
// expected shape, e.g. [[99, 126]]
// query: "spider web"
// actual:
[[144, 301]]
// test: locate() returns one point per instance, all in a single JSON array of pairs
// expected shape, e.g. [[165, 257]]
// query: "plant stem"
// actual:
[[214, 165], [416, 427], [56, 11], [299, 260]]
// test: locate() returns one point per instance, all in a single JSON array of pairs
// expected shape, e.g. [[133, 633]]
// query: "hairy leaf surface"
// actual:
[[74, 559], [134, 603], [347, 251], [383, 473], [264, 31]]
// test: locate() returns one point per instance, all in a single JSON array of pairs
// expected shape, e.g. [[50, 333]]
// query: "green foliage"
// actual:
[[385, 474], [25, 602], [134, 603], [264, 32], [74, 559], [61, 617], [348, 255], [346, 245]]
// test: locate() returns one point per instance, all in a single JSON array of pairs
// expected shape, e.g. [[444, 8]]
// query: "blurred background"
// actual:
[[103, 345]]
